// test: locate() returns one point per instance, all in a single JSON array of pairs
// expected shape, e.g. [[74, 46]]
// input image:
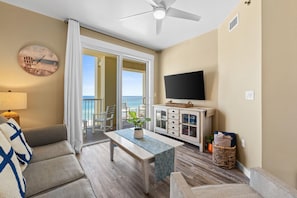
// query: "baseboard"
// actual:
[[243, 169]]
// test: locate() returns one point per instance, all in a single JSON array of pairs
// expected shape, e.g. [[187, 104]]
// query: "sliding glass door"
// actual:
[[133, 89], [122, 77], [99, 94]]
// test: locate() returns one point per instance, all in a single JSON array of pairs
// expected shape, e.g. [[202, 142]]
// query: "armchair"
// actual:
[[262, 184], [125, 110], [105, 119], [141, 110]]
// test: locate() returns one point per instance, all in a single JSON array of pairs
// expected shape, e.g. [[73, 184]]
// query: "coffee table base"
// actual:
[[143, 156], [144, 164]]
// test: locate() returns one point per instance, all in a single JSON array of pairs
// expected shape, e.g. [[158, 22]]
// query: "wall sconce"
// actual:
[[12, 101]]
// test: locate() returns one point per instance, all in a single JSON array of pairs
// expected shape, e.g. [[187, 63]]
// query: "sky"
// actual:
[[88, 75], [132, 81]]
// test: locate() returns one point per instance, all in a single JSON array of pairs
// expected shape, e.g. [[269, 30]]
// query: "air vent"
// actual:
[[233, 23]]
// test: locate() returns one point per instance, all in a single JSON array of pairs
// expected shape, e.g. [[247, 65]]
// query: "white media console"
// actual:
[[189, 124]]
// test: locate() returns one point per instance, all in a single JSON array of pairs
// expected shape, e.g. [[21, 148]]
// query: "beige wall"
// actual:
[[45, 94], [239, 71], [279, 82], [200, 53]]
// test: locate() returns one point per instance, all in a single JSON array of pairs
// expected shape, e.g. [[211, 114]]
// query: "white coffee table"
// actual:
[[139, 153]]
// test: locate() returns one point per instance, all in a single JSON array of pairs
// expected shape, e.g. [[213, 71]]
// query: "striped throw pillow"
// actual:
[[12, 181], [12, 131]]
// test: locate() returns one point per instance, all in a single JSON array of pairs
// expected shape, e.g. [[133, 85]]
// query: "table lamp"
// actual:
[[12, 101]]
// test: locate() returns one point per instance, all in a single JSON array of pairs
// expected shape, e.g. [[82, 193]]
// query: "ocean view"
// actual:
[[88, 108], [132, 101]]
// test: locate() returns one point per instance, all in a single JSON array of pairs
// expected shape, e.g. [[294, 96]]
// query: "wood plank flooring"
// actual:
[[89, 137], [123, 177]]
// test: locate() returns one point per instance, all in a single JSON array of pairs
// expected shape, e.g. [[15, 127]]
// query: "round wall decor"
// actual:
[[38, 60]]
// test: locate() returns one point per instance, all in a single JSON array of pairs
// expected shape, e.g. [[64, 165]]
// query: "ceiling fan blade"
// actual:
[[173, 12], [154, 3], [158, 25], [167, 3], [134, 15]]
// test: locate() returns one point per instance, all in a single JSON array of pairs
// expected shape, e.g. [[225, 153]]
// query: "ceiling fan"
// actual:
[[161, 9]]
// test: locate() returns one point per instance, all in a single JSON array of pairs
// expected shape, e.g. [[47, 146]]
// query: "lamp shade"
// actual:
[[13, 100]]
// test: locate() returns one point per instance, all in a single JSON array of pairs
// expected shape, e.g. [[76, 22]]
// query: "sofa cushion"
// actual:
[[47, 174], [51, 150], [80, 189], [225, 190], [12, 182], [15, 136], [40, 136]]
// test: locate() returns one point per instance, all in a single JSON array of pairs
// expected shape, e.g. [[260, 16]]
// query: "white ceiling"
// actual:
[[103, 16]]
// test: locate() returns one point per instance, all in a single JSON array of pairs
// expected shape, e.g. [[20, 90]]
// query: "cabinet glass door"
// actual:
[[185, 130], [193, 131], [185, 118], [193, 120], [189, 124], [185, 121], [161, 119]]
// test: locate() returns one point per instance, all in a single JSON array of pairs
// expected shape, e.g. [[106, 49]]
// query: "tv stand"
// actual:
[[183, 105], [190, 124]]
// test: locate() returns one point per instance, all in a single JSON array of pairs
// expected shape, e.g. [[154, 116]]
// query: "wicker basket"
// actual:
[[224, 157]]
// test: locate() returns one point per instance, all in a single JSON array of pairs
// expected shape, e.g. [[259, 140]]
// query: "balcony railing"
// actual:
[[92, 106], [89, 107]]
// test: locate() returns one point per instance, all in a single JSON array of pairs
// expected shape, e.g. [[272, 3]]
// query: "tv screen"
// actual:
[[185, 86]]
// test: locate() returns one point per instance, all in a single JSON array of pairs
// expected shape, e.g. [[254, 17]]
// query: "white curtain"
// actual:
[[73, 86]]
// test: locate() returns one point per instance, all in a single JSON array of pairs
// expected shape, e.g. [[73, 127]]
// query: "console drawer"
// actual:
[[173, 116], [173, 132], [173, 126], [173, 121], [173, 129], [174, 111]]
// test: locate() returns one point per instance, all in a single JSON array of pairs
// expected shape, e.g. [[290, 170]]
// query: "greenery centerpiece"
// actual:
[[138, 123]]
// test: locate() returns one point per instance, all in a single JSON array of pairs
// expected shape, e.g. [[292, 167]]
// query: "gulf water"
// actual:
[[132, 102]]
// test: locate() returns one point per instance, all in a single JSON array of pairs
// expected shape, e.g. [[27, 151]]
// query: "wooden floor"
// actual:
[[98, 136], [89, 137], [122, 178]]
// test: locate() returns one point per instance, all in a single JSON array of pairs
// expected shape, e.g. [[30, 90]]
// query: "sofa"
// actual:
[[54, 170], [262, 184]]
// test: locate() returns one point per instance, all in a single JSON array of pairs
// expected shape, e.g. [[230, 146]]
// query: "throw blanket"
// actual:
[[164, 153]]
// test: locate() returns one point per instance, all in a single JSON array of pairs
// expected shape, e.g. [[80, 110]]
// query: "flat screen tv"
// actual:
[[185, 86]]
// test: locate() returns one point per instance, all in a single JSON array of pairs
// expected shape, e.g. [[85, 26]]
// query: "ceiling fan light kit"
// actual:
[[159, 13], [161, 9]]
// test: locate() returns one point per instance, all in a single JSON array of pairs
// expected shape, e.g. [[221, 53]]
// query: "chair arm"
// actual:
[[268, 185], [99, 114], [179, 187], [45, 135]]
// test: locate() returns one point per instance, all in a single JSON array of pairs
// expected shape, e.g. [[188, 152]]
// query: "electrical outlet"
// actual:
[[243, 143]]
